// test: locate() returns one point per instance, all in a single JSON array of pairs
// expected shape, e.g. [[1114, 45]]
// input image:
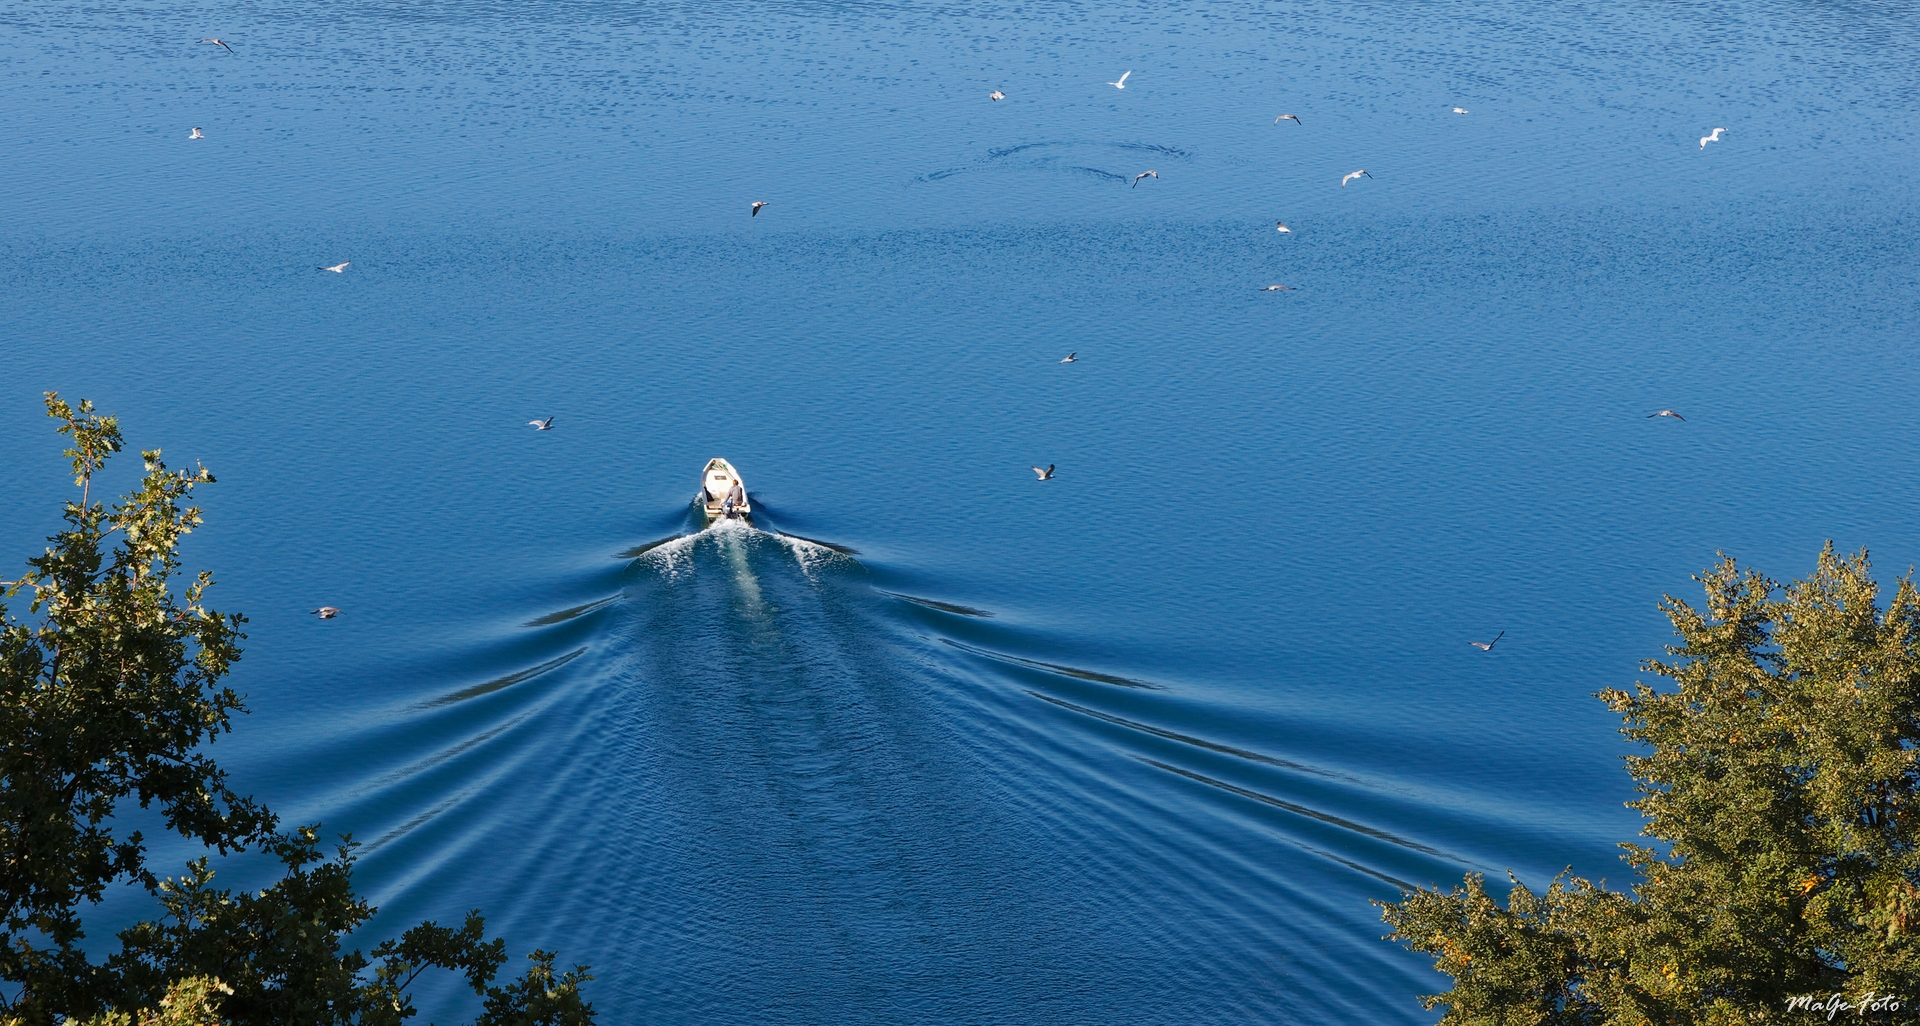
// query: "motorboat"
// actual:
[[722, 493]]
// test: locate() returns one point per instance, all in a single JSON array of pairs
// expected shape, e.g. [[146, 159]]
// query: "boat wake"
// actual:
[[675, 555], [755, 770]]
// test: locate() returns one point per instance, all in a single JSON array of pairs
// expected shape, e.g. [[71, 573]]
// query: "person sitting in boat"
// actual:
[[736, 498]]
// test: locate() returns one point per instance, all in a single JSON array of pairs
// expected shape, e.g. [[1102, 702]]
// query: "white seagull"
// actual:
[[542, 425], [325, 612], [1070, 358], [1155, 175], [996, 95], [196, 134], [1281, 226], [1487, 646], [1278, 288], [219, 43], [1122, 84], [1287, 117], [1350, 177], [1715, 137], [756, 208], [1460, 110], [1665, 413], [339, 268], [1045, 475]]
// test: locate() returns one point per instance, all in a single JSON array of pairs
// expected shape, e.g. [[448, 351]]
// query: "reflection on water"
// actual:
[[567, 614], [945, 607], [512, 678], [1067, 671]]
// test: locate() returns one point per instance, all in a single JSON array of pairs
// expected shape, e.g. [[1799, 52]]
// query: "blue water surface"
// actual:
[[934, 741]]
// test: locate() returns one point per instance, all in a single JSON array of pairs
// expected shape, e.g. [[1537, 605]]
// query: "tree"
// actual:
[[194, 1002], [110, 694], [1778, 776]]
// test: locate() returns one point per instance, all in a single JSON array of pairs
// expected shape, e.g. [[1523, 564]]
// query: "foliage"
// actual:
[[191, 1002], [1778, 776], [109, 696]]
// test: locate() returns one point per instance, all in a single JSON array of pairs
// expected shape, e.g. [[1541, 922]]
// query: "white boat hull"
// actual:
[[717, 482]]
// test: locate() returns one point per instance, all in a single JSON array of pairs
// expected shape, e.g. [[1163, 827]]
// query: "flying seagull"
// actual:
[[1122, 84], [1460, 110], [1045, 475], [1350, 177], [542, 425], [996, 95], [339, 268], [196, 134], [1070, 358], [1278, 288], [1715, 137], [325, 612], [1665, 413], [219, 43], [756, 208], [1287, 117], [1487, 646], [1155, 175], [1281, 226]]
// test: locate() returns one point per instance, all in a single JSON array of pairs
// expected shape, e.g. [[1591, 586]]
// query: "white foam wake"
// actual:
[[674, 558]]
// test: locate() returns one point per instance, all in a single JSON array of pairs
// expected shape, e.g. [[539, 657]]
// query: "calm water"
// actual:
[[1135, 745]]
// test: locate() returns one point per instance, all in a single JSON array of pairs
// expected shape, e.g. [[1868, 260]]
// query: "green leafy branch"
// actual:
[[110, 692]]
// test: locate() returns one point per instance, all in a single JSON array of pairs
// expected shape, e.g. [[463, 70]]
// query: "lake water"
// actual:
[[1134, 745]]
